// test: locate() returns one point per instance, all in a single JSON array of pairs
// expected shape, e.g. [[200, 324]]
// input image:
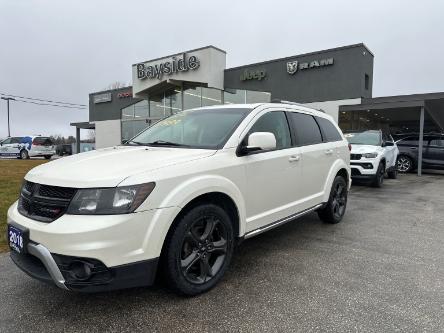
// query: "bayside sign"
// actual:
[[293, 66], [175, 65]]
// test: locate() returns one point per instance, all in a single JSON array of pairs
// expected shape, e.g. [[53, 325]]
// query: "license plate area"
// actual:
[[18, 238]]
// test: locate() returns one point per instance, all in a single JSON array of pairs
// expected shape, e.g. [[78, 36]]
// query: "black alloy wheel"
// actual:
[[198, 249], [204, 249], [339, 200], [404, 164], [379, 177], [334, 210]]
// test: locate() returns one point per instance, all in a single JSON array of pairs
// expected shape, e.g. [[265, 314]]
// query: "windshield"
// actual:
[[372, 138], [199, 128]]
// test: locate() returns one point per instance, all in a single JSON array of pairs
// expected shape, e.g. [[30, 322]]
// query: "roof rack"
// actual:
[[275, 100]]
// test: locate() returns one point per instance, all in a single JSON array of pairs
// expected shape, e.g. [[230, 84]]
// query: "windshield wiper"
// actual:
[[135, 142], [166, 143]]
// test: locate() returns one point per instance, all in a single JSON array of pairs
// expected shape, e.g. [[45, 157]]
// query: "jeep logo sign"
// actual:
[[176, 65], [293, 66], [253, 75]]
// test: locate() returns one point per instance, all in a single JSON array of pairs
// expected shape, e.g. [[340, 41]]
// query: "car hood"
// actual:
[[362, 149], [109, 166]]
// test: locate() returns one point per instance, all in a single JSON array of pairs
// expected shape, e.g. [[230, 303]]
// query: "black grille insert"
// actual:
[[355, 156], [43, 202]]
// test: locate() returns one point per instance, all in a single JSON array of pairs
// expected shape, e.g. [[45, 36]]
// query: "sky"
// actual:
[[64, 50]]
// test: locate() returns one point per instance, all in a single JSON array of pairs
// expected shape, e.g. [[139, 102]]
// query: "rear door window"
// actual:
[[329, 130], [306, 129]]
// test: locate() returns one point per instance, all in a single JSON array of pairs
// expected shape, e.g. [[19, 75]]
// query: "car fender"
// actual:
[[336, 166], [183, 194]]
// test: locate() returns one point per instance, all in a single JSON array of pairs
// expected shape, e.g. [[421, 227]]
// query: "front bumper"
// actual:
[[62, 271], [364, 168], [120, 251]]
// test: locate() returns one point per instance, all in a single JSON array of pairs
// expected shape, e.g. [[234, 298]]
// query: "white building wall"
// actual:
[[332, 107], [107, 133]]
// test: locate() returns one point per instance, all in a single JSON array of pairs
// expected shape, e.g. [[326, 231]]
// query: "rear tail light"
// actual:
[[349, 147]]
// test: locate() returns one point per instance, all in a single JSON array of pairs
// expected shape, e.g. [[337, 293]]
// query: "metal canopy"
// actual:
[[81, 125], [425, 110]]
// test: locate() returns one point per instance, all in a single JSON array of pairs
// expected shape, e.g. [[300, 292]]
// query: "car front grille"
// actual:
[[355, 156], [44, 203]]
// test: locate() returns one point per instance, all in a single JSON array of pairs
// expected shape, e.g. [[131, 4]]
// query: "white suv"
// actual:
[[179, 196], [25, 147], [373, 154]]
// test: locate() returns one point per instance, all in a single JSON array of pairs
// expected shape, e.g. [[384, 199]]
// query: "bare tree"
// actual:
[[91, 136], [116, 85]]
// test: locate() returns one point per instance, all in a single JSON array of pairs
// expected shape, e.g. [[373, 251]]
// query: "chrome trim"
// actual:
[[280, 222], [41, 252]]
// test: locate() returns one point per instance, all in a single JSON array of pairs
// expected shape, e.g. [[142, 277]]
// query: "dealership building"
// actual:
[[338, 81]]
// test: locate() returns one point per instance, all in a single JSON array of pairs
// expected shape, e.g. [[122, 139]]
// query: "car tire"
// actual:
[[47, 157], [24, 154], [334, 210], [404, 164], [393, 173], [379, 177], [198, 250]]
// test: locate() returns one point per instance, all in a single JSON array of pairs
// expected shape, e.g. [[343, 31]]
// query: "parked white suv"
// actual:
[[178, 196], [373, 154], [25, 147]]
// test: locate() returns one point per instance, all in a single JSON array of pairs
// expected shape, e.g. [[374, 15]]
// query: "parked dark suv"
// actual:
[[432, 154]]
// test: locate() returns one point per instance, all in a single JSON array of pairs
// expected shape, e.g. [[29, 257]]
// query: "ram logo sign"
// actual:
[[293, 66]]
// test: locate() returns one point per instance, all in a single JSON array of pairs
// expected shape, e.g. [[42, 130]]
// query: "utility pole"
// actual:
[[7, 99]]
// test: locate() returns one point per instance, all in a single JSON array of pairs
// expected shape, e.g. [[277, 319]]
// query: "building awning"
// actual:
[[405, 106], [422, 110], [84, 125]]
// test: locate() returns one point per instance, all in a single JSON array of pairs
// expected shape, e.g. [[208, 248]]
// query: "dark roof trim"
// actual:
[[179, 53], [304, 55], [110, 90], [84, 125]]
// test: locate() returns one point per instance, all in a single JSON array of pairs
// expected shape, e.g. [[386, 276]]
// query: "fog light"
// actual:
[[80, 270]]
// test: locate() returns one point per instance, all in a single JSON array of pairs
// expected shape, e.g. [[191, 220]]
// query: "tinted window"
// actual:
[[42, 141], [306, 128], [437, 142], [274, 122], [330, 131], [6, 142], [16, 140]]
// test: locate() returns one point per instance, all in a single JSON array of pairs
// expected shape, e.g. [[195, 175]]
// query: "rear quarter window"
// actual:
[[42, 141], [306, 129], [329, 130]]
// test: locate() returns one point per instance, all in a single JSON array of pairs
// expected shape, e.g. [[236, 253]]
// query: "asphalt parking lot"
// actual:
[[381, 269]]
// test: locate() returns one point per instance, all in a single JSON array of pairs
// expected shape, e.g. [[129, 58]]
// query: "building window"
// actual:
[[192, 97], [211, 96], [257, 97], [367, 81], [235, 96]]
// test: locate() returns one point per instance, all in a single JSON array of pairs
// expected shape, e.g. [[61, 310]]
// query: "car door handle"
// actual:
[[294, 158], [329, 152], [413, 148]]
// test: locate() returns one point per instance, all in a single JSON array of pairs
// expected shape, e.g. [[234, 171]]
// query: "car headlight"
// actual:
[[370, 155], [106, 201]]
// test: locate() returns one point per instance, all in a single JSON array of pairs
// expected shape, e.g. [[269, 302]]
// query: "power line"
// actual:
[[43, 100], [56, 105]]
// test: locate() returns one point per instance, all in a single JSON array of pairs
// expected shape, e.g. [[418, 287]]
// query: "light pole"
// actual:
[[7, 99]]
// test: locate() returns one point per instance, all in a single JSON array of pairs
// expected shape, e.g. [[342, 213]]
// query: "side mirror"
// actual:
[[388, 144], [260, 141]]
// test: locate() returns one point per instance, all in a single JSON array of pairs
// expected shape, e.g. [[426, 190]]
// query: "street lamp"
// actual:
[[7, 99]]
